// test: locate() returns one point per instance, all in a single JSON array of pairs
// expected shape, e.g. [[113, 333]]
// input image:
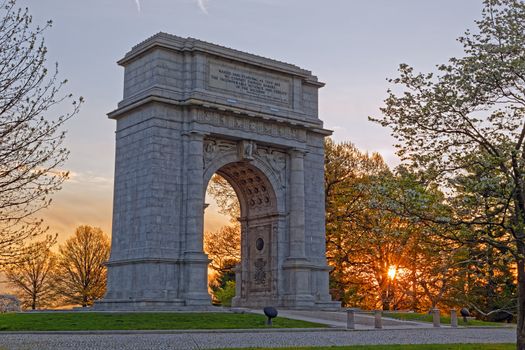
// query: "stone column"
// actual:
[[297, 265], [196, 262], [297, 239]]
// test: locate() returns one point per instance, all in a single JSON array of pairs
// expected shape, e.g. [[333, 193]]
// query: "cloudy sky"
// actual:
[[351, 45]]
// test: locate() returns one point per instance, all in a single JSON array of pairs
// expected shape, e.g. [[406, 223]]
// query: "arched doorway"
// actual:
[[257, 275]]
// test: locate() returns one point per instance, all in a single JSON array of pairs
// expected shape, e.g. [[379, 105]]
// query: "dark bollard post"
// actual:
[[350, 319], [270, 313], [464, 313], [435, 318], [453, 318], [378, 323]]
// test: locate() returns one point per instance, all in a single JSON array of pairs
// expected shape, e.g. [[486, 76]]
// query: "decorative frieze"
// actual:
[[247, 150], [276, 160], [250, 124], [214, 148], [259, 275]]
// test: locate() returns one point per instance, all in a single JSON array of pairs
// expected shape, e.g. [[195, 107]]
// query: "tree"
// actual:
[[225, 196], [32, 277], [364, 241], [31, 151], [463, 128], [347, 171], [223, 246], [224, 250], [384, 255], [81, 274], [487, 284]]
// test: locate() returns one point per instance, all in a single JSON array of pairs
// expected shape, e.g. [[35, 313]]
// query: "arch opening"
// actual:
[[248, 242], [222, 239]]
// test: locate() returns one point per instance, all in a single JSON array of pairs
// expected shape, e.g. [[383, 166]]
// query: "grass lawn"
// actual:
[[77, 321], [408, 347], [409, 316]]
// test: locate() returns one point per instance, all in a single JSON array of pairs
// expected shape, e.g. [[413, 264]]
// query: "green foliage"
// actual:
[[371, 230], [225, 294], [75, 321], [223, 248], [463, 129]]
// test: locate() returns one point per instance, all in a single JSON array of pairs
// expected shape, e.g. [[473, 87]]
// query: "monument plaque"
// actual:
[[229, 78]]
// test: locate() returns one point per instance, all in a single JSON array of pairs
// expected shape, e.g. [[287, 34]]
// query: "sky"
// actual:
[[351, 45]]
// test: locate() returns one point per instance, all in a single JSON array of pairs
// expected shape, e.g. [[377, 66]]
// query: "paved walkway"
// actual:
[[393, 332], [222, 339], [338, 319]]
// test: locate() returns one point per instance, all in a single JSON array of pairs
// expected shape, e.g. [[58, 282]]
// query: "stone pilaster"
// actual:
[[297, 238], [241, 269], [196, 272], [299, 293]]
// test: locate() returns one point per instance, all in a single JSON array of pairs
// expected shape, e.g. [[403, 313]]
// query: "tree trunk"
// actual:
[[386, 299], [520, 344], [414, 288]]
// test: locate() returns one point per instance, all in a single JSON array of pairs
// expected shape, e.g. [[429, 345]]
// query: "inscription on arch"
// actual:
[[247, 82]]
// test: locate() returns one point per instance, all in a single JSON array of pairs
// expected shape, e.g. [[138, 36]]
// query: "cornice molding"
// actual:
[[176, 43]]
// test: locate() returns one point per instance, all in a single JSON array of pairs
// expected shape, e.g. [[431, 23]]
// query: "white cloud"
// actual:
[[88, 178], [203, 5]]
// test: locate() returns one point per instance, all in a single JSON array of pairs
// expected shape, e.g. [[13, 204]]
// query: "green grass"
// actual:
[[78, 321], [408, 347], [409, 316]]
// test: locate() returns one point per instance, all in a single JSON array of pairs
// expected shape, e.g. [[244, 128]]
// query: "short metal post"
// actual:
[[350, 319], [453, 318], [435, 318], [378, 322]]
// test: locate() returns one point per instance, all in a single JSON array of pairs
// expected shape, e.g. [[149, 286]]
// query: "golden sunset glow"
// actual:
[[392, 272]]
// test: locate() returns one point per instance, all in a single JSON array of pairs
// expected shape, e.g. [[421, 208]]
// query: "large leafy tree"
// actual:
[[81, 273], [464, 128], [371, 234], [31, 150], [350, 225]]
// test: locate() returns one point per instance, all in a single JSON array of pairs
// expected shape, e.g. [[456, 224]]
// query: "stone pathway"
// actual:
[[338, 319], [236, 339]]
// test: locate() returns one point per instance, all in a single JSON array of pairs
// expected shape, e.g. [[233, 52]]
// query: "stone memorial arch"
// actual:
[[192, 109]]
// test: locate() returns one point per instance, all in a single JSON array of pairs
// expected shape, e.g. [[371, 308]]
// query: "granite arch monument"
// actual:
[[192, 109]]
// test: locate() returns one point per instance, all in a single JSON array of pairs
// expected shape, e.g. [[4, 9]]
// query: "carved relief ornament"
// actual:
[[251, 124]]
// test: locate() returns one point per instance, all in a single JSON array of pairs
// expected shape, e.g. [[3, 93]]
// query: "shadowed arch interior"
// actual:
[[254, 191]]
